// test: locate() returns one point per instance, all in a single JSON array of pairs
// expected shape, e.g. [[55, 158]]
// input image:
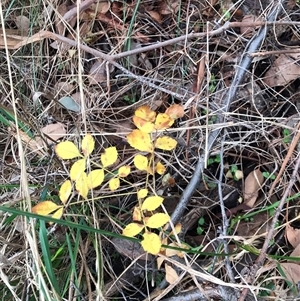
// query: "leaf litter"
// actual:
[[129, 187]]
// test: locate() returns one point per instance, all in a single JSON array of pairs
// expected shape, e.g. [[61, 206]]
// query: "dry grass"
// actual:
[[77, 259]]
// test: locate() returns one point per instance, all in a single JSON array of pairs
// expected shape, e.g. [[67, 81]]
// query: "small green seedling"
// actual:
[[212, 84], [212, 160], [200, 229], [286, 136], [130, 100], [267, 175]]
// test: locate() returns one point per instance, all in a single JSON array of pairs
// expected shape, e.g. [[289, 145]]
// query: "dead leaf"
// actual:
[[291, 271], [253, 183], [97, 74], [155, 16], [102, 7], [292, 235], [63, 87], [248, 31], [29, 143], [284, 70], [23, 24], [55, 131], [13, 38], [296, 252], [171, 274]]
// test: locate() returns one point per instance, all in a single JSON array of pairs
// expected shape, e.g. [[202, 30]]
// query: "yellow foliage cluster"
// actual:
[[146, 138]]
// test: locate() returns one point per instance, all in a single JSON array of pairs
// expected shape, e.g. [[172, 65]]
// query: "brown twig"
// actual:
[[73, 11]]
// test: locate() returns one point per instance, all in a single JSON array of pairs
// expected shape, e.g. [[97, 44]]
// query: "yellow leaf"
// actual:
[[67, 150], [109, 157], [142, 193], [95, 178], [143, 125], [77, 169], [140, 162], [145, 113], [163, 121], [165, 143], [152, 203], [175, 111], [124, 171], [87, 144], [45, 208], [132, 229], [136, 215], [65, 191], [82, 185], [114, 184], [157, 220], [58, 214], [160, 168], [140, 141], [151, 243]]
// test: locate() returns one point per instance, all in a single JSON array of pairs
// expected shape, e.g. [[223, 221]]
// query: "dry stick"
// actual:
[[212, 33], [73, 11]]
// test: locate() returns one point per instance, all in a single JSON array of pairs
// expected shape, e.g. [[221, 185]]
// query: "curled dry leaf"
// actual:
[[54, 131], [253, 183], [292, 235], [97, 74], [23, 24], [171, 274], [284, 70], [248, 31], [291, 271]]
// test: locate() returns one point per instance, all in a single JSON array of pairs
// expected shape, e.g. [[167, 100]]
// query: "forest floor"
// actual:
[[149, 150]]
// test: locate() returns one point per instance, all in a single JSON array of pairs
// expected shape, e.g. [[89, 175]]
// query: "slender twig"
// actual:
[[225, 221]]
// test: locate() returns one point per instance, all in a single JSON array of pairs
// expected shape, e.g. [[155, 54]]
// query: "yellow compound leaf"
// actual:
[[152, 202], [58, 214], [145, 113], [65, 191], [87, 144], [175, 111], [45, 208], [124, 171], [132, 229], [140, 141], [143, 125], [136, 215], [114, 184], [157, 220], [142, 193], [77, 169], [163, 121], [151, 243], [82, 185], [109, 157], [67, 150], [95, 178], [140, 162], [160, 168], [165, 143]]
